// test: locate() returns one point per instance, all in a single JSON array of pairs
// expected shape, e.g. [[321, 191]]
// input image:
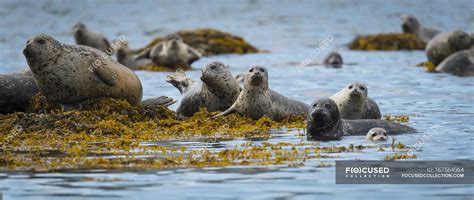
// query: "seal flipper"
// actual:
[[162, 101], [104, 74], [372, 110], [180, 80], [227, 112]]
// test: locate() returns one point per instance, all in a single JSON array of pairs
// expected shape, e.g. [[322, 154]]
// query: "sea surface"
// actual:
[[291, 31]]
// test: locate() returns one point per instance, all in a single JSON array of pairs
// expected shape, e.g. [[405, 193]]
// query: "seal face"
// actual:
[[353, 103], [445, 44], [257, 100], [173, 52], [410, 25], [92, 39], [324, 123], [216, 91], [334, 59], [377, 134], [460, 63], [74, 73]]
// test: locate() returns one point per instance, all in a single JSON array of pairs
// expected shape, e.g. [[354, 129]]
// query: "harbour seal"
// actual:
[[334, 59], [16, 90], [74, 73], [257, 100], [445, 44], [92, 39], [410, 24], [460, 63], [127, 57], [377, 134], [353, 102], [171, 52], [325, 123], [217, 90]]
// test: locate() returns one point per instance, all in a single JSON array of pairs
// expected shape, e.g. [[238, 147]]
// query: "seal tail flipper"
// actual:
[[227, 112], [162, 101], [180, 80]]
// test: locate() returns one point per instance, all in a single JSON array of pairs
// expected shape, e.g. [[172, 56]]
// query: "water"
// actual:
[[291, 31]]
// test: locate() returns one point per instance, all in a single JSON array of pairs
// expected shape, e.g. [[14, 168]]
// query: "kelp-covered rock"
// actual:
[[387, 42], [211, 42]]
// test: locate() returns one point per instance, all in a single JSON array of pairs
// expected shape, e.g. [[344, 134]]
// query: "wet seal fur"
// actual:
[[217, 90], [353, 102], [460, 63], [445, 44], [92, 39], [16, 91], [410, 24], [334, 59], [377, 134], [74, 73], [256, 100], [171, 52], [325, 123]]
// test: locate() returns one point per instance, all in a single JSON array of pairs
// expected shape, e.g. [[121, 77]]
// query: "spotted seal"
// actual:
[[325, 123], [257, 100], [376, 134], [460, 63], [92, 39], [353, 102], [73, 73], [16, 90], [410, 24], [334, 59], [445, 44], [217, 90], [171, 52]]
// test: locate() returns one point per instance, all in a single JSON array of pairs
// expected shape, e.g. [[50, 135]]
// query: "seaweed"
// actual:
[[387, 42]]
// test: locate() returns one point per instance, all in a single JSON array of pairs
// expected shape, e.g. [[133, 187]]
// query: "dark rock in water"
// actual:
[[16, 91], [387, 42]]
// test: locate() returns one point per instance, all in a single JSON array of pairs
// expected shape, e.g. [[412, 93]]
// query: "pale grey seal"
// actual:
[[217, 91], [353, 102], [445, 44], [376, 134], [74, 73], [325, 123], [411, 25], [256, 100], [92, 39]]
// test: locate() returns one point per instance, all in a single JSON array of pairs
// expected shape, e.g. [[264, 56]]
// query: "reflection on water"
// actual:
[[291, 31]]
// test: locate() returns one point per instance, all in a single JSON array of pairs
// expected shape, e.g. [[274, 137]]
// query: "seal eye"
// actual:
[[251, 70], [374, 134], [41, 41], [385, 134], [362, 88], [328, 106], [262, 70], [213, 67], [315, 104], [350, 87]]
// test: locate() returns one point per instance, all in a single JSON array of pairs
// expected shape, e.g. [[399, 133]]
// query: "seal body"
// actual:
[[172, 52], [257, 100], [127, 57], [92, 39], [216, 91], [16, 90], [325, 123], [460, 63], [410, 25], [446, 44], [377, 134], [74, 73], [353, 102], [334, 59]]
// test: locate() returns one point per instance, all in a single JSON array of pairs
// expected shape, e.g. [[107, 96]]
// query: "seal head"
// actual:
[[323, 120], [334, 59], [410, 24], [377, 134], [41, 49]]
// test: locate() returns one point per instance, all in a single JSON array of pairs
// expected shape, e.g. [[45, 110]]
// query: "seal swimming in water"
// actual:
[[92, 39], [217, 91], [410, 24], [353, 102], [16, 90], [334, 59], [445, 44], [257, 100], [171, 52], [74, 73], [460, 63], [325, 123], [377, 134]]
